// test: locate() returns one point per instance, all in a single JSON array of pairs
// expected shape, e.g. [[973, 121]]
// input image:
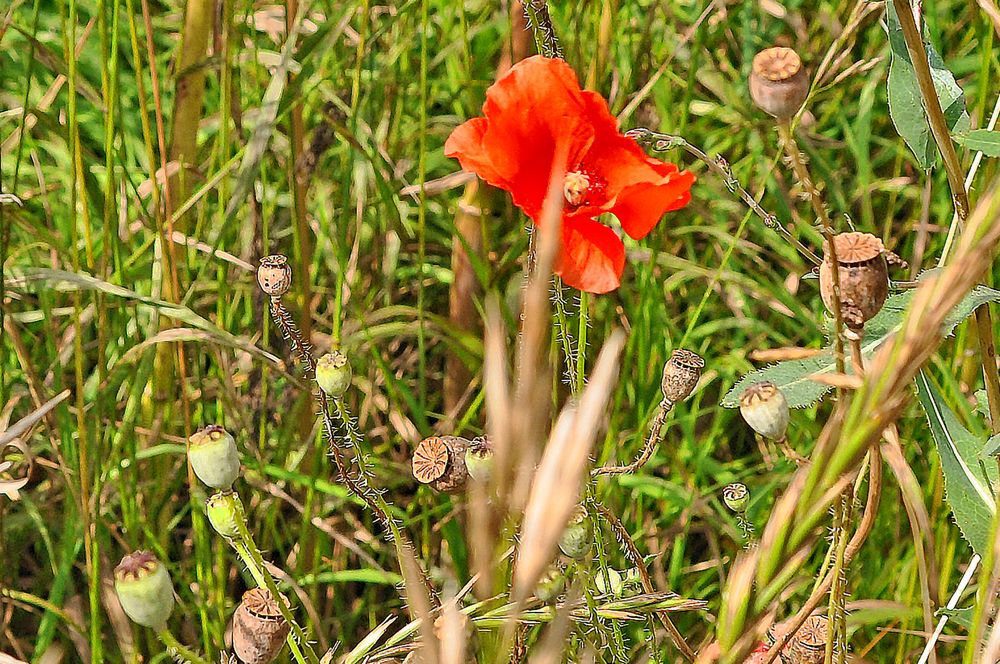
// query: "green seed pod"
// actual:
[[333, 374], [737, 497], [680, 375], [765, 409], [575, 539], [259, 629], [214, 457], [479, 460], [225, 513], [614, 577], [551, 584], [144, 589]]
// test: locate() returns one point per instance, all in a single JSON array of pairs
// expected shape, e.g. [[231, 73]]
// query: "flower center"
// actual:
[[575, 188]]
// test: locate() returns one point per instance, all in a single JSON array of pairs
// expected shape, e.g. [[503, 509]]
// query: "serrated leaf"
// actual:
[[793, 376], [967, 490], [981, 140], [905, 104]]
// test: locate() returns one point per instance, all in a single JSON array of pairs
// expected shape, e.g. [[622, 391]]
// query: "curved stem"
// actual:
[[176, 647], [647, 451]]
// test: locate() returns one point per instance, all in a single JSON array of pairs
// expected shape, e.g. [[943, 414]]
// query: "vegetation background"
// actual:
[[157, 149]]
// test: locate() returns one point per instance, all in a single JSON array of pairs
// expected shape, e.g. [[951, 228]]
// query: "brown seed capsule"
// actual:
[[259, 630], [779, 83], [440, 462], [863, 273], [680, 375], [807, 645], [274, 275]]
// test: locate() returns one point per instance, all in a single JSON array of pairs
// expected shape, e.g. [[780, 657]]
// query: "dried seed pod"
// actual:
[[863, 273], [576, 537], [214, 457], [333, 374], [779, 83], [440, 462], [807, 645], [274, 275], [737, 497], [680, 375], [765, 409], [479, 459], [259, 629], [144, 589], [225, 513]]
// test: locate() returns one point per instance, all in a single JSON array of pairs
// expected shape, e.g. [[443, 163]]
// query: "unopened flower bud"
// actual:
[[737, 497], [214, 457], [551, 584], [274, 275], [575, 538], [614, 577], [479, 459], [680, 375], [225, 513], [863, 276], [440, 462], [778, 82], [144, 589], [259, 629], [333, 374], [765, 409]]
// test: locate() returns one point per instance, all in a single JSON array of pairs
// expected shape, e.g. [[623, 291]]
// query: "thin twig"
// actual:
[[655, 429]]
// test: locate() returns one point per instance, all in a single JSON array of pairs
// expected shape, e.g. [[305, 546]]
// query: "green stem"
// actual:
[[176, 647], [581, 342]]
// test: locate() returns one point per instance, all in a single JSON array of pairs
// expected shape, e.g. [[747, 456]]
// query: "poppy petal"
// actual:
[[640, 206], [466, 145], [592, 258]]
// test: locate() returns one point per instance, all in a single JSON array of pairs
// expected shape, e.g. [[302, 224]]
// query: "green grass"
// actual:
[[391, 81]]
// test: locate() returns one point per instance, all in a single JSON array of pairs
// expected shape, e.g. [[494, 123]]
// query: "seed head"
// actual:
[[144, 589], [440, 462], [259, 629], [225, 513], [778, 82], [274, 275], [575, 539], [765, 409], [680, 375], [737, 497], [863, 276], [333, 374], [214, 457], [479, 459]]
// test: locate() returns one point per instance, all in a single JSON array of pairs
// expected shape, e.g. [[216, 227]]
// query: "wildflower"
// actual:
[[536, 116]]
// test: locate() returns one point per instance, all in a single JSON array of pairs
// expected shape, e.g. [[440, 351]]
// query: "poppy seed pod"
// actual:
[[225, 513], [778, 82], [765, 409], [259, 629], [214, 457], [737, 497], [807, 645], [479, 459], [333, 374], [863, 275], [614, 578], [144, 589], [274, 275], [440, 462], [575, 539], [680, 375]]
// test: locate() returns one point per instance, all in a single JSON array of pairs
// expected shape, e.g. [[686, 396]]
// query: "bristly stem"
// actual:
[[563, 332], [663, 142], [176, 648], [652, 440], [537, 13]]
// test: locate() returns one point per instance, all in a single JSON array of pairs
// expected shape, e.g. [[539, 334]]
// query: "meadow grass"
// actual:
[[129, 279]]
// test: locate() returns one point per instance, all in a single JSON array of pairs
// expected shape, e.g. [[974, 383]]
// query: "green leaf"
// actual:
[[961, 616], [982, 140], [793, 376], [905, 104], [967, 490]]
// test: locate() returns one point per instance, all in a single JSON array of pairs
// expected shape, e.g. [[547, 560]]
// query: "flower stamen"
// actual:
[[575, 188]]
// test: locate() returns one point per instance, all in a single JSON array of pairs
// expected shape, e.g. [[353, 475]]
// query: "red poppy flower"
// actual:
[[537, 111]]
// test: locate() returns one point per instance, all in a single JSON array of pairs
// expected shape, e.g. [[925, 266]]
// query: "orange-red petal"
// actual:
[[466, 144], [592, 257], [640, 206]]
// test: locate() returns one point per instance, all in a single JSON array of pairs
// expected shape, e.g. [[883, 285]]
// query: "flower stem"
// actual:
[[655, 429], [537, 13], [177, 648], [581, 342]]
